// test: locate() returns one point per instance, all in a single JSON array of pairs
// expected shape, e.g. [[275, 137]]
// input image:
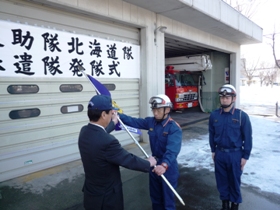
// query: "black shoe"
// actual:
[[225, 205], [234, 206]]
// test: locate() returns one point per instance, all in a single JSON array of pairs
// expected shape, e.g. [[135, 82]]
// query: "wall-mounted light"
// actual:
[[162, 29]]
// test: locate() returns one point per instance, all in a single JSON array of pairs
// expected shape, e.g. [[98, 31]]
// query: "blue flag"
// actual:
[[119, 126], [102, 90]]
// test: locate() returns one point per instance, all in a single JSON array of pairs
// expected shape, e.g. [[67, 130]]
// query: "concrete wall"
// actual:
[[215, 78]]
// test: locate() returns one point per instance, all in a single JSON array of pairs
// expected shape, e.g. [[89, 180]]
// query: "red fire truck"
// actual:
[[183, 79], [181, 87]]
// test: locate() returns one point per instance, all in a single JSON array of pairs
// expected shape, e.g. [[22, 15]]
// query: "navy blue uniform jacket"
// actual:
[[102, 154], [230, 130]]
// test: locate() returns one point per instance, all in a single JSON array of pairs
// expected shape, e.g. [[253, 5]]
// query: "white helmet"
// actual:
[[227, 90], [159, 101]]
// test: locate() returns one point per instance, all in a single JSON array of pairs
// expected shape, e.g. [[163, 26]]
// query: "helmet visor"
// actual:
[[226, 91], [156, 100]]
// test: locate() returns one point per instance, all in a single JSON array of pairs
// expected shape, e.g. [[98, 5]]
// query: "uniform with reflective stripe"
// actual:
[[165, 141]]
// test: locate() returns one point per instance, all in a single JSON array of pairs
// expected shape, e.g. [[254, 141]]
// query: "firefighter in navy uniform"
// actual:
[[230, 138], [165, 141]]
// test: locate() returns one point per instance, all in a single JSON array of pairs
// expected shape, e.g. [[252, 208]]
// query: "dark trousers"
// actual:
[[228, 175], [161, 195]]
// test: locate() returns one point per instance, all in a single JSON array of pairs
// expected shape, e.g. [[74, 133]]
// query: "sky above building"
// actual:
[[266, 15]]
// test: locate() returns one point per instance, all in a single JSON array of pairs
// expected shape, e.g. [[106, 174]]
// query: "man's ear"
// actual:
[[167, 110], [103, 114]]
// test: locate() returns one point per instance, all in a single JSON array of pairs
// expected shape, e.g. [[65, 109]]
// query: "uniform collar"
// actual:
[[165, 121], [231, 111]]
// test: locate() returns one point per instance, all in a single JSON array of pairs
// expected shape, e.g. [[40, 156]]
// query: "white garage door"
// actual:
[[43, 96]]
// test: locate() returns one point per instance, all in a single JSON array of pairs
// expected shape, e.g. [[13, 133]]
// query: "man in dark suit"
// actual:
[[102, 154]]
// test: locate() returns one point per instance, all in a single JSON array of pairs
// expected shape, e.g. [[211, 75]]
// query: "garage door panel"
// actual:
[[51, 137]]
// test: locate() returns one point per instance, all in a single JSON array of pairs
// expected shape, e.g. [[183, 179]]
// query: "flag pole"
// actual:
[[147, 156], [82, 69]]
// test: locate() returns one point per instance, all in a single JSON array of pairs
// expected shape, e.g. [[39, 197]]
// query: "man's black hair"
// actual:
[[94, 114]]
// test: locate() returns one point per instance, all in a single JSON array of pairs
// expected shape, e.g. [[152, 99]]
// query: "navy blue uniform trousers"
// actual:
[[228, 174]]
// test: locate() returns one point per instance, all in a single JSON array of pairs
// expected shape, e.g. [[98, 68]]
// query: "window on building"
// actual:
[[71, 88], [23, 89], [24, 113], [72, 108], [110, 86]]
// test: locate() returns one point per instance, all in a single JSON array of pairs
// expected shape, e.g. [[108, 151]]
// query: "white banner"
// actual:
[[29, 51]]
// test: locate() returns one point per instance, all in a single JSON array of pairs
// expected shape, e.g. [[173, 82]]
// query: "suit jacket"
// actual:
[[102, 154]]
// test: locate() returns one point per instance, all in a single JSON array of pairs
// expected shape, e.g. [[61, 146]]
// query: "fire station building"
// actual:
[[124, 44]]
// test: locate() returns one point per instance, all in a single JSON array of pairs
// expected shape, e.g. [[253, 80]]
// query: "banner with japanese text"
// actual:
[[31, 51]]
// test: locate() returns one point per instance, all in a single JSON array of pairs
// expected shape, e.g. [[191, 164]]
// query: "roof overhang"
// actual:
[[214, 17]]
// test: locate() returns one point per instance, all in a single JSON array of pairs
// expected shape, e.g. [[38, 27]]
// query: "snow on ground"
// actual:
[[262, 169]]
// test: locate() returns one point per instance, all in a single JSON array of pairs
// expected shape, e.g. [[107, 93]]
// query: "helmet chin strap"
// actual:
[[162, 115], [227, 106]]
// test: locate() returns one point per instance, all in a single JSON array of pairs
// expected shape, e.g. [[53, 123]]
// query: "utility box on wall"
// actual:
[[227, 75]]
